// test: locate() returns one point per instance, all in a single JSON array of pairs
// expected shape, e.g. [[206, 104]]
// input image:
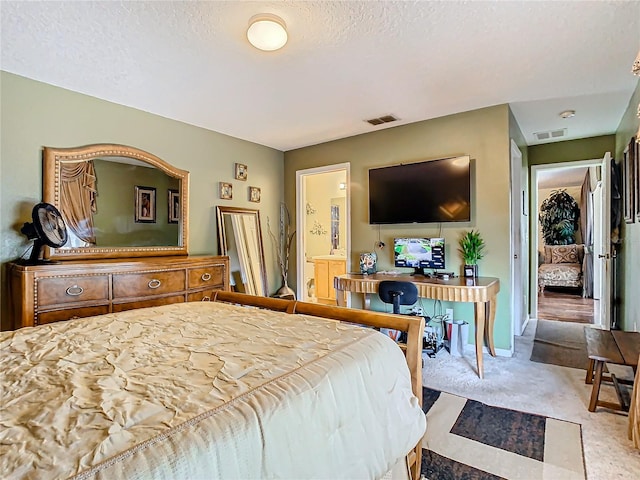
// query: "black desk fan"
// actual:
[[48, 228]]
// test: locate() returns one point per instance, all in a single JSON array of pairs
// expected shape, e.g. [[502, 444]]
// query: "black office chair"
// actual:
[[397, 293]]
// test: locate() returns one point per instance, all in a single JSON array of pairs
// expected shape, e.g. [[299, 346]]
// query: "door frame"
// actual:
[[518, 263], [301, 214], [534, 222]]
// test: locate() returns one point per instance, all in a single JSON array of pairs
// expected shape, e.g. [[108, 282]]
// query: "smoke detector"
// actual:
[[568, 114]]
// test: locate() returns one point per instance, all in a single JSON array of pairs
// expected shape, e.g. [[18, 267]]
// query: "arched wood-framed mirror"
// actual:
[[117, 201], [240, 238]]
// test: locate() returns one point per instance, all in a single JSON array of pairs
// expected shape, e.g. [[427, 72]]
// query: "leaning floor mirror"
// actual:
[[240, 237]]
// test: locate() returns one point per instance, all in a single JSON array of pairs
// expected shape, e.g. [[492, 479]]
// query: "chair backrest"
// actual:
[[397, 293]]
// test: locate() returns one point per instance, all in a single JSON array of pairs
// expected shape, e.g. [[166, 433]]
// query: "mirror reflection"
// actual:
[[240, 237], [116, 201]]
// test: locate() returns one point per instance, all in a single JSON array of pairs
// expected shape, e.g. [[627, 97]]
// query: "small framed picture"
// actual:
[[226, 191], [254, 194], [241, 172], [636, 162], [145, 205], [173, 206], [629, 188]]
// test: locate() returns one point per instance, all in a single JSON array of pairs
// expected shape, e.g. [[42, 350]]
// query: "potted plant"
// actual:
[[472, 249], [559, 218]]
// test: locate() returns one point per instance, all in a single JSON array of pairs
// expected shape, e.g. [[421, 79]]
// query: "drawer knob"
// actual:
[[206, 299], [206, 277], [75, 291], [155, 283]]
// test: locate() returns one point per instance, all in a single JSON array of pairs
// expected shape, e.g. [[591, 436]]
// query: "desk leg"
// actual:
[[479, 320], [341, 298], [490, 312]]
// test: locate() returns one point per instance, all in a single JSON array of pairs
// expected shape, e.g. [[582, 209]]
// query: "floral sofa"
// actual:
[[561, 267]]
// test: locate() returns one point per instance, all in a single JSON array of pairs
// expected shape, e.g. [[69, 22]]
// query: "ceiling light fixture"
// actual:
[[267, 32], [568, 114]]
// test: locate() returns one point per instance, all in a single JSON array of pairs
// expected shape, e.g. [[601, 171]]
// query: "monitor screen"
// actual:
[[422, 192], [419, 253]]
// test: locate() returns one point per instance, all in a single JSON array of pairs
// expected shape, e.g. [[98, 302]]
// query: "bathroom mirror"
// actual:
[[117, 201], [240, 237]]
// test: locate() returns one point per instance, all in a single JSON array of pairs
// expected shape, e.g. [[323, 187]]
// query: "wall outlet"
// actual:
[[449, 312]]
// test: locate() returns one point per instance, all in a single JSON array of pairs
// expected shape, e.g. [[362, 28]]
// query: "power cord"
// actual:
[[380, 243]]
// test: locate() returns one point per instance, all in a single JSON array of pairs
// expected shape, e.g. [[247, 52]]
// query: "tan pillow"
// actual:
[[564, 254]]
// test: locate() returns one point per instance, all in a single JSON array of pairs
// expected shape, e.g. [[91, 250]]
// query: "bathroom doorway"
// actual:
[[324, 230]]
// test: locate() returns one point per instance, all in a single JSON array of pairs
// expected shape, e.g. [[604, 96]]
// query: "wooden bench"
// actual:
[[615, 347]]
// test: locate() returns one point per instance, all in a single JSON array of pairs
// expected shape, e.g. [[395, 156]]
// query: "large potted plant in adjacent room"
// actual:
[[558, 217], [472, 249]]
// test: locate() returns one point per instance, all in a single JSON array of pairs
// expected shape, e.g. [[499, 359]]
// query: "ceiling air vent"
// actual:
[[381, 120], [552, 134]]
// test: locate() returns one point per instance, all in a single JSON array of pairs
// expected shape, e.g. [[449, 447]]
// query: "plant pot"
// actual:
[[285, 292], [470, 270]]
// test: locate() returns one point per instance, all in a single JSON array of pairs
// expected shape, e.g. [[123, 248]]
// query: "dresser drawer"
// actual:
[[148, 283], [213, 275], [154, 302], [63, 290], [70, 313], [202, 295]]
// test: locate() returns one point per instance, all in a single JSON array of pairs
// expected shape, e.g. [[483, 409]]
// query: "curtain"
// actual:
[[586, 230], [78, 198]]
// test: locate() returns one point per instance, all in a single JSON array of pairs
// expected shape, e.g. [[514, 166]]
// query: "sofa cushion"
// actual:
[[563, 253], [567, 272]]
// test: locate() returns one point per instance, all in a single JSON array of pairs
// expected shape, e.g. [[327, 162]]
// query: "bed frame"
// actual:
[[413, 325]]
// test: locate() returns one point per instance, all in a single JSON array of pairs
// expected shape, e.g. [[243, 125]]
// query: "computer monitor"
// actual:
[[419, 253]]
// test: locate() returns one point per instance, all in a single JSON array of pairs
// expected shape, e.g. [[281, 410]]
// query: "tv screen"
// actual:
[[419, 253], [423, 192]]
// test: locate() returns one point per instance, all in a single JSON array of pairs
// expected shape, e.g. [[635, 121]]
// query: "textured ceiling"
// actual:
[[344, 62]]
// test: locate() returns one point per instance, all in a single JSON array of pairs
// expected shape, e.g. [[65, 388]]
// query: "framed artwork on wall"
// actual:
[[629, 182], [226, 191], [145, 204], [173, 206], [241, 172], [254, 194]]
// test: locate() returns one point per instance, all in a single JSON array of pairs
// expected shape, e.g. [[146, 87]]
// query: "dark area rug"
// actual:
[[497, 429], [560, 343]]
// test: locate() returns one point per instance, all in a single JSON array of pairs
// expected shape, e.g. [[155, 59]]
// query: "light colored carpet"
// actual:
[[560, 343], [550, 390]]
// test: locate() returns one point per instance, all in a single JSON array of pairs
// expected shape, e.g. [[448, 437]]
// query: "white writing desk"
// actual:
[[481, 291]]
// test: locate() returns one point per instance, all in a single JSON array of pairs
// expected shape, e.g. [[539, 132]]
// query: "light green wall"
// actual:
[[629, 253], [35, 114], [482, 134], [572, 150]]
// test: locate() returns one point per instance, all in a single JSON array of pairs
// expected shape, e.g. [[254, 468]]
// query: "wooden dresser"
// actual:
[[43, 294]]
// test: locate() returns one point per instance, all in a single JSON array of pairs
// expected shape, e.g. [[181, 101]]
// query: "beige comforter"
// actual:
[[203, 390]]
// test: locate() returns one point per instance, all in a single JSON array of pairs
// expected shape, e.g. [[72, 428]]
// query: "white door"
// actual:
[[602, 248], [518, 222]]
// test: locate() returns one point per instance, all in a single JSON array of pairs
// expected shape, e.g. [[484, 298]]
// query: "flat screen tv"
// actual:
[[424, 192], [419, 253]]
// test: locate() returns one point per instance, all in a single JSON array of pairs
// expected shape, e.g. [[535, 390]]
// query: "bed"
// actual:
[[219, 389]]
